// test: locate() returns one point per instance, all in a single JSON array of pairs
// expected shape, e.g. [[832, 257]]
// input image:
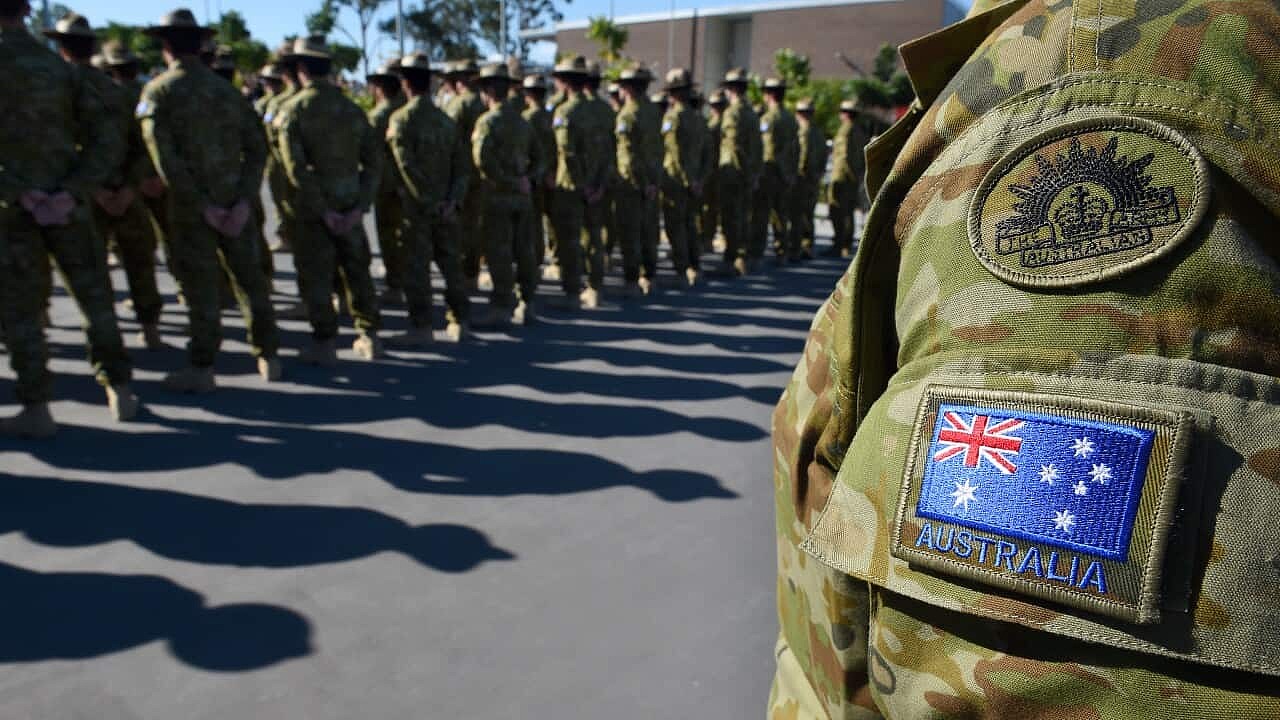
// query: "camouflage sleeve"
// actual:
[[571, 151], [293, 156], [753, 163], [371, 150], [653, 148], [486, 154], [162, 147], [707, 150], [404, 148], [463, 173], [537, 156], [103, 144], [607, 170], [253, 149], [140, 167]]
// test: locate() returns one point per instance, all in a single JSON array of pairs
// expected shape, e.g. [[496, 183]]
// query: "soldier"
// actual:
[[709, 221], [334, 162], [539, 118], [121, 214], [638, 137], [49, 169], [464, 108], [509, 162], [224, 64], [847, 166], [772, 206], [207, 145], [387, 210], [576, 174], [277, 179], [272, 85], [431, 158], [601, 156], [813, 165], [685, 167], [1026, 468], [738, 170]]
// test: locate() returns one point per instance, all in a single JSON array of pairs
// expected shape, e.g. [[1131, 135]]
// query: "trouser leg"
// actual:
[[592, 244], [415, 238], [242, 260], [448, 257], [23, 282], [315, 258], [389, 216], [135, 236], [499, 247], [627, 208], [649, 236], [354, 258], [195, 265], [733, 218], [568, 211]]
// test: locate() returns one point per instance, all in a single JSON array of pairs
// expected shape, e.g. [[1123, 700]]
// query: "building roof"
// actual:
[[549, 32]]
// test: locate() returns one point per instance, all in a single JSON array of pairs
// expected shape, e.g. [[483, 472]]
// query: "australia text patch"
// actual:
[[1064, 499], [1088, 201]]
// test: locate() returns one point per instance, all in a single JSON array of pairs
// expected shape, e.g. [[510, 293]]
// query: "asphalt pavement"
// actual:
[[570, 520]]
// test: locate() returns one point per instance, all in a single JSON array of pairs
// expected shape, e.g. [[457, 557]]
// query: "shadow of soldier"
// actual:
[[79, 615]]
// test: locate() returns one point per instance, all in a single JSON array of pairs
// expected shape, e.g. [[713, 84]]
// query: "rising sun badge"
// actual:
[[1088, 201]]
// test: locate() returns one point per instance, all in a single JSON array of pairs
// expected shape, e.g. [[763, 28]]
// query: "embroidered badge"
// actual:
[[559, 122], [142, 109], [621, 129], [666, 127], [764, 126], [1088, 201], [266, 119], [1062, 499]]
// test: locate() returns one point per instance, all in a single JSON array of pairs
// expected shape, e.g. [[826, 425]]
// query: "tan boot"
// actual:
[[691, 276], [590, 298], [551, 272], [321, 353], [416, 338], [270, 369], [524, 314], [368, 347], [33, 422], [122, 403], [740, 266], [647, 286], [484, 281], [191, 380], [457, 332], [150, 337]]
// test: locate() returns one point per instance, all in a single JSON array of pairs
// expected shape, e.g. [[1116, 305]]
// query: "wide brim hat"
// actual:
[[413, 62], [461, 68], [270, 71], [804, 106], [71, 25], [636, 76], [678, 79], [115, 54], [386, 72], [308, 47], [849, 106], [181, 19], [658, 98], [736, 76], [534, 82], [495, 73], [571, 67], [717, 99], [774, 83]]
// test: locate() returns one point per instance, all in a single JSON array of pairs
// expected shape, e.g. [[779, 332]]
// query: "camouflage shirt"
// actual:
[[544, 134], [685, 140], [504, 150], [847, 162], [779, 135], [638, 137], [572, 126], [202, 135], [430, 155], [380, 119], [329, 151], [118, 120], [601, 154], [813, 154], [138, 165], [51, 137], [740, 146]]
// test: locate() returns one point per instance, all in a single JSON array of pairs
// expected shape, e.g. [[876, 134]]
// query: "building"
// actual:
[[835, 34]]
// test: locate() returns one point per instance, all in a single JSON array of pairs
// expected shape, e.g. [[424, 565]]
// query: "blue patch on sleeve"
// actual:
[[1059, 480]]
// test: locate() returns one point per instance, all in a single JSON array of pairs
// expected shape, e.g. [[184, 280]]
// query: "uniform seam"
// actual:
[[1064, 376]]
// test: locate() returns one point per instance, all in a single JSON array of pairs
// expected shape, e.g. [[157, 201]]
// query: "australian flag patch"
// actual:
[[1042, 494]]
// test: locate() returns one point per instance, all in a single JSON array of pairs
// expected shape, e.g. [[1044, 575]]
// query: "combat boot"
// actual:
[[484, 281], [321, 353], [270, 369], [524, 314], [33, 422], [740, 267], [457, 332], [551, 272], [191, 380], [493, 317], [150, 337], [692, 277], [122, 402], [368, 347], [590, 298], [647, 286], [415, 338]]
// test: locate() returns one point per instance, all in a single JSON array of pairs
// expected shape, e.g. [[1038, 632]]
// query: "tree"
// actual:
[[131, 37], [440, 29], [521, 15], [233, 31], [36, 20], [611, 37], [326, 19], [886, 86]]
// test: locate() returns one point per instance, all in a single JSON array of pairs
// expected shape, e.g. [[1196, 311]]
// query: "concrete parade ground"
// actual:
[[569, 520]]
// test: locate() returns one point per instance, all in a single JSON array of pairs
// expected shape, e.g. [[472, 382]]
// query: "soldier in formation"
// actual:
[[495, 173]]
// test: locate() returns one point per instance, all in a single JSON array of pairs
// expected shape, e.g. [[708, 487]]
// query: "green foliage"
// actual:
[[792, 67], [441, 29], [886, 86], [326, 19], [610, 36], [249, 54], [346, 58], [147, 50], [826, 94]]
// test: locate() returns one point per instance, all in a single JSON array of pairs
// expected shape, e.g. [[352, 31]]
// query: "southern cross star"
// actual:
[[964, 494], [1064, 521], [1080, 488], [1083, 447], [1049, 473], [1100, 473]]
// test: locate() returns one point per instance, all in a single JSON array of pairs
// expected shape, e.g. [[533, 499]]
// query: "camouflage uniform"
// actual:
[[207, 145], [388, 210], [539, 118], [575, 172], [334, 162], [738, 171], [277, 178], [772, 206], [464, 109], [813, 165], [684, 168], [709, 218], [603, 171], [847, 167], [1076, 219], [56, 133], [434, 169], [638, 138], [505, 151]]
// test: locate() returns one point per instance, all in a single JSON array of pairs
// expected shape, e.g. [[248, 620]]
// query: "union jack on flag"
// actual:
[[978, 439]]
